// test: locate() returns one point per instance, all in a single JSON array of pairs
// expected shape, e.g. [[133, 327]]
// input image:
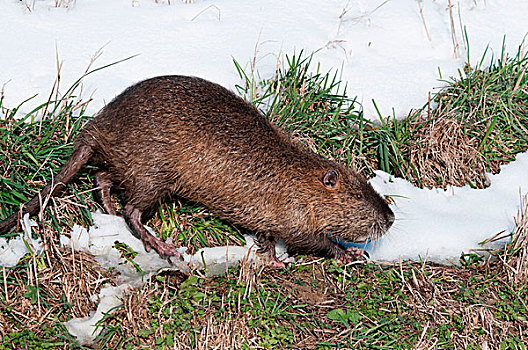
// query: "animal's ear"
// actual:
[[331, 179]]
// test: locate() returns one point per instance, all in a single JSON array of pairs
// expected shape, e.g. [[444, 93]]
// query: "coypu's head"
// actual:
[[348, 206]]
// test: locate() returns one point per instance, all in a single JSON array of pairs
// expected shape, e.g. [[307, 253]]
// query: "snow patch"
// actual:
[[11, 251], [442, 224], [99, 241], [381, 47]]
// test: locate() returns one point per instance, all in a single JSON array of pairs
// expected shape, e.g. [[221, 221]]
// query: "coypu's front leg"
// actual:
[[349, 255], [132, 217], [343, 256], [266, 243], [325, 247]]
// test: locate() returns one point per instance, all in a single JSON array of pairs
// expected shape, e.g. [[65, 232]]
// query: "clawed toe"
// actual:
[[133, 219], [277, 264], [352, 254], [164, 249]]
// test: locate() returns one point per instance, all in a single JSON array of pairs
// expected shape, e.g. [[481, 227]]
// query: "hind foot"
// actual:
[[165, 250], [133, 219]]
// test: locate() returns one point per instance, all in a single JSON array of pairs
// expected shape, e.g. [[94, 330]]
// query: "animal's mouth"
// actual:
[[362, 242]]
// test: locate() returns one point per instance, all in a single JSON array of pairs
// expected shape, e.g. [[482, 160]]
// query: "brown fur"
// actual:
[[185, 136]]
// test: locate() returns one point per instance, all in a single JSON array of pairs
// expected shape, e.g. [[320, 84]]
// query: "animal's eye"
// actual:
[[358, 196], [330, 179]]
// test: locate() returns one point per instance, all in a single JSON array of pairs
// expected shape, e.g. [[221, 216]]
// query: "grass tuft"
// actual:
[[33, 148], [475, 124]]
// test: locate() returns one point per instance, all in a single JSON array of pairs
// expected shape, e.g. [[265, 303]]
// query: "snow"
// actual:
[[381, 45], [13, 249], [99, 241], [438, 225], [380, 48]]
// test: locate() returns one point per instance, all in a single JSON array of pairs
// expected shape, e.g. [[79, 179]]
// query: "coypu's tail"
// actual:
[[79, 157]]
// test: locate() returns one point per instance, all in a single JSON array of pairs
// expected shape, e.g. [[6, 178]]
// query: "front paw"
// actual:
[[350, 255]]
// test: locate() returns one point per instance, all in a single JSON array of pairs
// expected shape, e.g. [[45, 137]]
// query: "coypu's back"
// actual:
[[187, 135]]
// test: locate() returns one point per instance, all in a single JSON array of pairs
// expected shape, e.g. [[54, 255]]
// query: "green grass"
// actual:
[[274, 312], [488, 106], [33, 148], [326, 306], [194, 226]]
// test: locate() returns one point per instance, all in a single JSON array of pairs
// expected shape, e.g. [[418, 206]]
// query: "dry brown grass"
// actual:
[[434, 297], [444, 154], [427, 301], [431, 295], [55, 287], [478, 124], [230, 328], [465, 299]]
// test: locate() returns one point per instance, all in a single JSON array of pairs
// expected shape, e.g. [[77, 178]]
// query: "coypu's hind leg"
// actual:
[[132, 217], [102, 196], [266, 245]]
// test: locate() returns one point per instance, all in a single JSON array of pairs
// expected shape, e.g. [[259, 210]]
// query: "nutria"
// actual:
[[185, 136]]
